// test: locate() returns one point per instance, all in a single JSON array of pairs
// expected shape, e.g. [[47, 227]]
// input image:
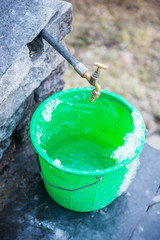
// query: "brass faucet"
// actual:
[[93, 80]]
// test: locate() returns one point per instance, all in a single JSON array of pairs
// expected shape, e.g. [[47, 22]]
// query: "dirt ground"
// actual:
[[125, 35]]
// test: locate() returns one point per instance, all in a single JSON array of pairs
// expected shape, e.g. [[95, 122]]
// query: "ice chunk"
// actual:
[[57, 162], [156, 199], [60, 234]]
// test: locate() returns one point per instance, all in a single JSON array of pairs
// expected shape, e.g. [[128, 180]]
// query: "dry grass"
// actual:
[[125, 35]]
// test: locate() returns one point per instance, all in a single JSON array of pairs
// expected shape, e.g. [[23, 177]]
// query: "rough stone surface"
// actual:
[[21, 22], [29, 63], [52, 84], [149, 226], [27, 211]]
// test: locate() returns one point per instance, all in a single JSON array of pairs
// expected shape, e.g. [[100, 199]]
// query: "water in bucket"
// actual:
[[83, 152]]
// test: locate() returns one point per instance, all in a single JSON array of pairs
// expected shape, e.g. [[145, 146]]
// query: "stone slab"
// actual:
[[149, 226], [154, 140], [27, 211]]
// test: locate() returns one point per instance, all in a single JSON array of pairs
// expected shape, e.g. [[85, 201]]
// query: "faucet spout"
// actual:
[[96, 92], [93, 80]]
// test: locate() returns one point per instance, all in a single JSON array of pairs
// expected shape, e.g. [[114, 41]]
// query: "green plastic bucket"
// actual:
[[88, 152]]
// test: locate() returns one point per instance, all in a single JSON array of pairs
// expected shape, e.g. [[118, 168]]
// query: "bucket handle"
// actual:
[[70, 190]]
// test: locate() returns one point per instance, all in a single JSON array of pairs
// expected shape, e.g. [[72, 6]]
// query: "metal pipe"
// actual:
[[78, 66], [72, 60]]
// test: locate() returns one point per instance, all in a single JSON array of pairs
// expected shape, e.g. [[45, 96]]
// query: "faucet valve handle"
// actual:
[[96, 74], [100, 65]]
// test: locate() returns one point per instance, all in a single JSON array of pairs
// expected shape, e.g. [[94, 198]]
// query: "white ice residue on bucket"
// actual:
[[131, 140], [57, 162], [131, 172], [39, 134], [47, 112]]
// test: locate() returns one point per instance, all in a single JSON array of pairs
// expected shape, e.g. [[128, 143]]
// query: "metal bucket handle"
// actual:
[[70, 190]]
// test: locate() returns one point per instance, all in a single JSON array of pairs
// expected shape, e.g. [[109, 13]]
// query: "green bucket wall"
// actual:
[[67, 116]]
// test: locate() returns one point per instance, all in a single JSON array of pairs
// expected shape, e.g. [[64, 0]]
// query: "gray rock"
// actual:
[[21, 22], [31, 69], [53, 83], [3, 146]]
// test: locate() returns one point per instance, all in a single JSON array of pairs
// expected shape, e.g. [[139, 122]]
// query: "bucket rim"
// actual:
[[49, 160]]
